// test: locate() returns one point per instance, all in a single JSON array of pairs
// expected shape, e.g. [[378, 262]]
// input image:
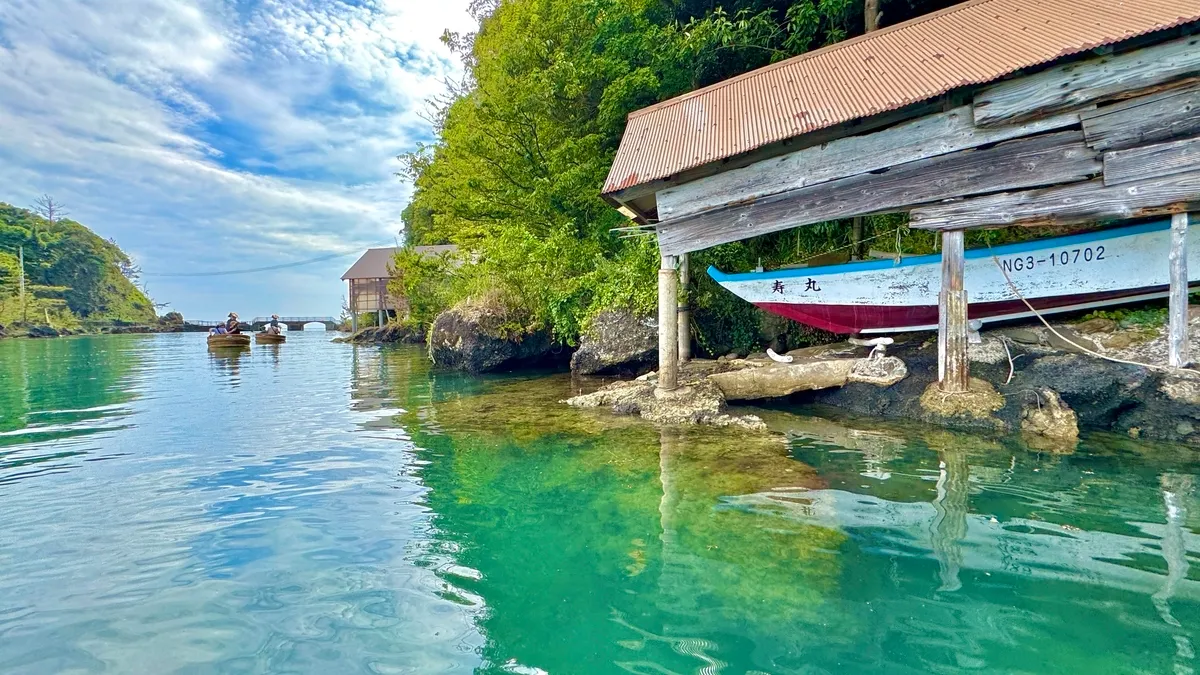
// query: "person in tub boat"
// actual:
[[274, 327], [232, 326]]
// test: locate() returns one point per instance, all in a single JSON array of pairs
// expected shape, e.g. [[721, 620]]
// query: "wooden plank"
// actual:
[[1151, 161], [668, 327], [929, 136], [1041, 160], [1143, 120], [953, 364], [1083, 202], [1177, 332], [1091, 81]]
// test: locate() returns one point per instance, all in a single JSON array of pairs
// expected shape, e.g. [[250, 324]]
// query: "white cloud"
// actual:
[[208, 135]]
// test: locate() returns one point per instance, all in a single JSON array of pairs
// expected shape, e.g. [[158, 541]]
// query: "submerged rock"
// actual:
[[479, 339], [617, 342], [698, 402]]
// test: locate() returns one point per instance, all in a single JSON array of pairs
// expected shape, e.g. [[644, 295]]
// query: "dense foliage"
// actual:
[[526, 142], [71, 274]]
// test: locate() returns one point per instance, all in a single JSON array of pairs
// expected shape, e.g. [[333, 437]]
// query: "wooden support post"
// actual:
[[668, 325], [1177, 343], [684, 313], [953, 365]]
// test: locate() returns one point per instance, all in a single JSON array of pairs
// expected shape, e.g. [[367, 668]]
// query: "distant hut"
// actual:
[[369, 276]]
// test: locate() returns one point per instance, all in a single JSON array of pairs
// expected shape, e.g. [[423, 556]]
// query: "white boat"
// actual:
[[1060, 274]]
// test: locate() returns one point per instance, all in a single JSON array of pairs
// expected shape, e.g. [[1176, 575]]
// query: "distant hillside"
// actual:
[[71, 273]]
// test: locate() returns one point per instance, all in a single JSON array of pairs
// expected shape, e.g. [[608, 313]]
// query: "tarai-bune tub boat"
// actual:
[[1060, 274], [229, 340]]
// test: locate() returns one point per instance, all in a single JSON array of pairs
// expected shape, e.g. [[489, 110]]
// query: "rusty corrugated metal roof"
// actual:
[[971, 43], [376, 263]]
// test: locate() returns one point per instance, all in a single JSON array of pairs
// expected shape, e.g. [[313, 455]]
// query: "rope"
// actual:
[[1011, 285], [861, 242]]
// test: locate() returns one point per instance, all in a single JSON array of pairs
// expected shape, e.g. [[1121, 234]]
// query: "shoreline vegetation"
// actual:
[[74, 281]]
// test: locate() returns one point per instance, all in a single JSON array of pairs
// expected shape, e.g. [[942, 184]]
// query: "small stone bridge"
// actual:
[[257, 323]]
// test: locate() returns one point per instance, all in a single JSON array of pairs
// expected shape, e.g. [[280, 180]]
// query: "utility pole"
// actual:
[[21, 259]]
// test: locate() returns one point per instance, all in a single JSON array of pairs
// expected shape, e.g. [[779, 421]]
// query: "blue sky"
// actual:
[[211, 135]]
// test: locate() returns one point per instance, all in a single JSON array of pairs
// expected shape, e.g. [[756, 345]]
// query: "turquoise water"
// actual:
[[323, 508]]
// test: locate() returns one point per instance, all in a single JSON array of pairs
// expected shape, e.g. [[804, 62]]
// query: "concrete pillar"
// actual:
[[954, 372], [668, 324], [1179, 353], [684, 312]]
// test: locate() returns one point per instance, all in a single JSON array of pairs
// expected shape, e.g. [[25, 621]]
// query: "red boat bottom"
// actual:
[[851, 319]]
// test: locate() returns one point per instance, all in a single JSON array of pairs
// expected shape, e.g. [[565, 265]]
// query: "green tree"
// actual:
[[525, 142]]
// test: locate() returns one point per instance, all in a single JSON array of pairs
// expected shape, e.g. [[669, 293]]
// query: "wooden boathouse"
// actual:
[[368, 281], [990, 113]]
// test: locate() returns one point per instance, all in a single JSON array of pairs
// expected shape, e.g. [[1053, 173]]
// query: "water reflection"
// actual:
[[227, 362], [599, 544], [56, 395], [353, 511]]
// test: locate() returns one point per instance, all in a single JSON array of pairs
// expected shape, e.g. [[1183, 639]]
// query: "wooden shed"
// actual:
[[991, 113], [368, 280]]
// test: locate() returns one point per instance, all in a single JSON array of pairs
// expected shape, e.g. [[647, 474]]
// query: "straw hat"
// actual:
[[233, 315], [274, 316]]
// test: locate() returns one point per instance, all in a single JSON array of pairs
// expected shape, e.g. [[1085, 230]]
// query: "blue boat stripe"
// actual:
[[1007, 249]]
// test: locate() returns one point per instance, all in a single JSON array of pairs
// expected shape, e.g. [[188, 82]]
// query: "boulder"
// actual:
[[388, 334], [3, 332], [617, 343], [775, 380], [1049, 416], [480, 338], [42, 332]]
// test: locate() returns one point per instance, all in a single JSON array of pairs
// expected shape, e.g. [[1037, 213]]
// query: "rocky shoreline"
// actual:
[[1045, 384], [1031, 381], [42, 332]]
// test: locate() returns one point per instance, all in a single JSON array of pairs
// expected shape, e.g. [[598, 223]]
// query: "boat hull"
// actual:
[[229, 340], [1061, 274], [269, 339]]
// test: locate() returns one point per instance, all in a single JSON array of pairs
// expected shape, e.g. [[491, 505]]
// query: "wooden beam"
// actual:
[[684, 313], [922, 138], [1151, 161], [1076, 203], [954, 371], [1146, 119], [1027, 162], [1177, 332], [668, 326], [1091, 81]]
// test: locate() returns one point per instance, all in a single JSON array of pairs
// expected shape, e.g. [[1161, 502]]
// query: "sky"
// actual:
[[217, 135]]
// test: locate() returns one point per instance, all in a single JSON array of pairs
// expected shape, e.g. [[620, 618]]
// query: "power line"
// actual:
[[253, 270]]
